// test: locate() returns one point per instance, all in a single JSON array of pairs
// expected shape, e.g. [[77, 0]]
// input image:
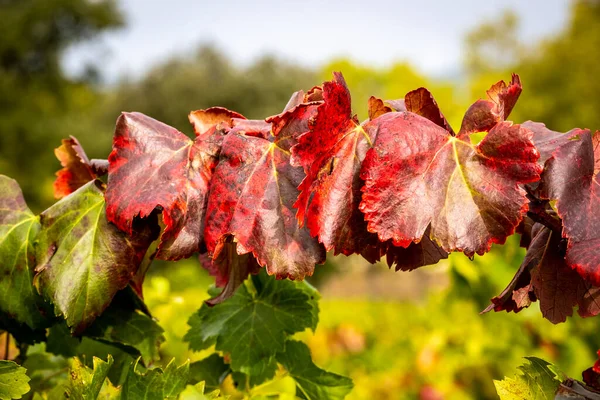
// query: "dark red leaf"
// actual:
[[426, 252], [544, 275], [571, 178], [252, 195], [591, 376], [331, 154], [421, 102], [77, 170], [418, 174], [153, 165], [229, 268], [484, 114], [293, 121], [547, 141]]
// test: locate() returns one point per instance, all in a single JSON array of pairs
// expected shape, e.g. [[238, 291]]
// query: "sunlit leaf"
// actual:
[[77, 170], [84, 383], [253, 325], [418, 174], [82, 259], [18, 231], [13, 380], [312, 383], [538, 380], [252, 194], [152, 166]]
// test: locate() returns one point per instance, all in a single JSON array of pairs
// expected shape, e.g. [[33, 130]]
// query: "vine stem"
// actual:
[[7, 346], [540, 211]]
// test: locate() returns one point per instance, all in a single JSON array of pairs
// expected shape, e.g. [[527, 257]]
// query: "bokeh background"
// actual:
[[68, 67]]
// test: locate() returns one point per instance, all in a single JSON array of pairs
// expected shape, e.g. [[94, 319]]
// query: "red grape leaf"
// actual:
[[547, 141], [591, 376], [153, 165], [484, 114], [331, 153], [421, 102], [426, 252], [82, 259], [229, 268], [206, 122], [77, 170], [571, 178], [293, 121], [377, 108], [252, 195], [418, 174], [544, 275]]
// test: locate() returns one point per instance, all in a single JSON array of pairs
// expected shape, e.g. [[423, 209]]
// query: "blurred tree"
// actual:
[[559, 74], [493, 45], [35, 93], [209, 79]]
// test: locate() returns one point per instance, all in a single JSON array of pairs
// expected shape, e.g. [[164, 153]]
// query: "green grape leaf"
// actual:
[[312, 382], [253, 326], [538, 381], [14, 382], [199, 394], [18, 231], [85, 383], [211, 370], [134, 332], [82, 259], [245, 382], [61, 342], [155, 383], [90, 348], [46, 370]]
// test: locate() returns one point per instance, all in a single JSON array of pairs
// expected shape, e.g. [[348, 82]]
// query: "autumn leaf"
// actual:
[[418, 174], [421, 102], [331, 153], [416, 255], [377, 108], [77, 169], [571, 178], [547, 141], [545, 276], [483, 115], [252, 195], [229, 268], [207, 122], [82, 260], [154, 166]]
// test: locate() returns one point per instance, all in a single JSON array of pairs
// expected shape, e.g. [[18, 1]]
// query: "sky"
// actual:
[[427, 33]]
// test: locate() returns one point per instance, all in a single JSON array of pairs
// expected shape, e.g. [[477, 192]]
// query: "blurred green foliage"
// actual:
[[393, 350], [38, 103]]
